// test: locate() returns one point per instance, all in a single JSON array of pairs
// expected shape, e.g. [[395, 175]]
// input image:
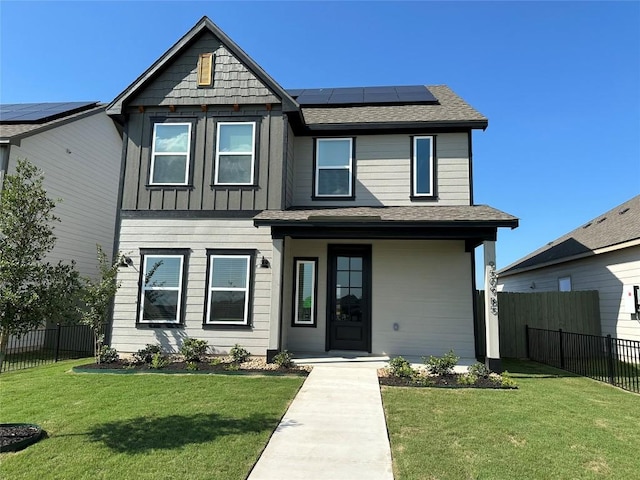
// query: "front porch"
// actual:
[[387, 281], [364, 360]]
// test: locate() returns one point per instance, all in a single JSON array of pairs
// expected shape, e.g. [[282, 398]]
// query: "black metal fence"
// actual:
[[49, 345], [607, 359]]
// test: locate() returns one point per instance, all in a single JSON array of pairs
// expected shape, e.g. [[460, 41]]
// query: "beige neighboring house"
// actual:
[[78, 147], [603, 255], [313, 220]]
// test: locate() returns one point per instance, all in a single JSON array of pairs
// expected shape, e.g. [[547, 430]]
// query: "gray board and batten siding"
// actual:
[[201, 194]]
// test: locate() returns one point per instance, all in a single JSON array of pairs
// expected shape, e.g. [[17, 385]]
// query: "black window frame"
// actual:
[[256, 157], [145, 252], [252, 254], [413, 195], [191, 161], [315, 194], [294, 319]]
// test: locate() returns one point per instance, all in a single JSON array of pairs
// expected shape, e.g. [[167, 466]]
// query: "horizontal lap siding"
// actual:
[[81, 165], [424, 286], [383, 171], [196, 235], [607, 273]]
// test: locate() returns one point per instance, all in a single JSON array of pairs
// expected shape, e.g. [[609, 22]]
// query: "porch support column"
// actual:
[[276, 295], [492, 357]]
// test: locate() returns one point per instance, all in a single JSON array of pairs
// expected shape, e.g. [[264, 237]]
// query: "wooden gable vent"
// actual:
[[205, 70]]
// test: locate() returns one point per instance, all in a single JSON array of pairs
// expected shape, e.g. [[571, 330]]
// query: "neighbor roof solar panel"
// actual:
[[363, 95], [40, 112]]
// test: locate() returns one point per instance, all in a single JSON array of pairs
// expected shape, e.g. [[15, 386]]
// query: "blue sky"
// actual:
[[559, 81]]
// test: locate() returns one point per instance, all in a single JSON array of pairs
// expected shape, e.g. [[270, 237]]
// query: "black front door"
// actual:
[[349, 298]]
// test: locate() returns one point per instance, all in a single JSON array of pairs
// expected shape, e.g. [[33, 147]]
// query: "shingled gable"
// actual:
[[202, 27], [618, 228]]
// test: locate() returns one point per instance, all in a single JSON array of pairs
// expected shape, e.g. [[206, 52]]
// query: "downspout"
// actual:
[[116, 231]]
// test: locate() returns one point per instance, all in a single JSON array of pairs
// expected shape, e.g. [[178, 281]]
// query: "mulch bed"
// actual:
[[438, 381], [16, 436], [253, 366]]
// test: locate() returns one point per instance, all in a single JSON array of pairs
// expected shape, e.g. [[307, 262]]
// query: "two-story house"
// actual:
[[312, 220]]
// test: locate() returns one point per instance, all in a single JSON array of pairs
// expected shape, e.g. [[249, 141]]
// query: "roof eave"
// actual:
[[355, 222], [466, 124]]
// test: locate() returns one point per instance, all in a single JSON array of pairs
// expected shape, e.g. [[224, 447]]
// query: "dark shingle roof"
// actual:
[[449, 109], [471, 214], [617, 226], [21, 130]]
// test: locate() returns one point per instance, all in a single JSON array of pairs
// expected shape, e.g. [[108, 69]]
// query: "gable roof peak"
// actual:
[[204, 24]]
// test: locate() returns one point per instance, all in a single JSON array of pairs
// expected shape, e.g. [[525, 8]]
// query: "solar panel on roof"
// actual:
[[40, 112], [406, 94]]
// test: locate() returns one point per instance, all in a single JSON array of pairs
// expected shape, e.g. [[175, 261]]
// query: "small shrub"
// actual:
[[401, 368], [421, 380], [193, 349], [159, 361], [232, 367], [441, 365], [467, 379], [480, 370], [283, 359], [239, 354], [145, 355], [108, 355], [507, 381], [215, 361], [192, 366]]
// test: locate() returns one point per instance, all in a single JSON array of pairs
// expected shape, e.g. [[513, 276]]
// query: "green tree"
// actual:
[[97, 296], [32, 290]]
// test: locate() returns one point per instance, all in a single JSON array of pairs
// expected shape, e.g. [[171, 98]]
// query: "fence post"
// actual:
[[57, 350], [561, 350], [526, 339], [610, 359]]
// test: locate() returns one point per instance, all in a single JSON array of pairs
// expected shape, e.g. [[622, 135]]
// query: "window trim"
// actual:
[[217, 154], [187, 173], [250, 255], [565, 277], [414, 168], [351, 168], [183, 254], [314, 290]]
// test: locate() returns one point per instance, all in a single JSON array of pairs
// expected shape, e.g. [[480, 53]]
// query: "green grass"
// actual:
[[105, 426], [555, 426]]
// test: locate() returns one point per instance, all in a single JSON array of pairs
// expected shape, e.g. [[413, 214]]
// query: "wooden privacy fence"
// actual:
[[570, 311]]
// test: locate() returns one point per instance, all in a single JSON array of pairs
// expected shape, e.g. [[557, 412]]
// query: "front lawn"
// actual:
[[556, 425], [106, 426]]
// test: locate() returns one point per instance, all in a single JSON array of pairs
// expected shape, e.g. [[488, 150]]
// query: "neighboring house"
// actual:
[[310, 220], [603, 254], [78, 148]]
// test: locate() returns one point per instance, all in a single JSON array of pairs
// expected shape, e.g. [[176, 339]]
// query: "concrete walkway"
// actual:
[[334, 429]]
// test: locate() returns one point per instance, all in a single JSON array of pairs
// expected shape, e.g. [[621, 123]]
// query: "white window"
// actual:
[[235, 153], [162, 288], [422, 167], [170, 153], [305, 292], [228, 289], [564, 284], [334, 167]]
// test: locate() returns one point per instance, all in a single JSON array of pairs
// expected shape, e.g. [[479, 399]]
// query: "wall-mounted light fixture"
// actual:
[[125, 261], [264, 263], [532, 286]]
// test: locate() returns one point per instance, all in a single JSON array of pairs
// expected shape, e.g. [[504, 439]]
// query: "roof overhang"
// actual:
[[301, 128], [473, 224]]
